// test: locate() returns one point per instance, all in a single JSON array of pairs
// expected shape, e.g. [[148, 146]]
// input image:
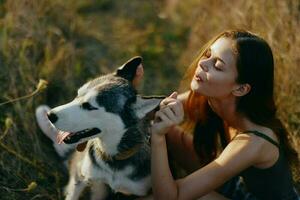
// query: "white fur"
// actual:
[[117, 180], [47, 127]]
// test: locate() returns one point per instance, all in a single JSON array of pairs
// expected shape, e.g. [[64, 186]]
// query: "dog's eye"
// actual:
[[88, 106]]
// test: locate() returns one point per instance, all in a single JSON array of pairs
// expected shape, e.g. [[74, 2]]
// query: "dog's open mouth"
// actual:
[[70, 138]]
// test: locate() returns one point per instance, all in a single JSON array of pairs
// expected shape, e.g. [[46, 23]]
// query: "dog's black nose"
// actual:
[[52, 117]]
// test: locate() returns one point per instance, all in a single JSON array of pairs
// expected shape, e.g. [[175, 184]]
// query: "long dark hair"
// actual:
[[255, 66]]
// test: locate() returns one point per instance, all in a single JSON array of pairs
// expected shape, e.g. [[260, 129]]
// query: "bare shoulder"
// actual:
[[266, 152], [247, 144], [260, 140], [270, 133], [261, 129]]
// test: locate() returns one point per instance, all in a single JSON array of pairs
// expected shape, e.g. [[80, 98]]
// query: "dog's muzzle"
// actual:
[[71, 138], [52, 117]]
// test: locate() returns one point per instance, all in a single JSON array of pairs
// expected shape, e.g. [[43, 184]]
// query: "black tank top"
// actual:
[[274, 182]]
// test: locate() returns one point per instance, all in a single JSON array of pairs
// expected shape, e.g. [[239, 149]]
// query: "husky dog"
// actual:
[[108, 124]]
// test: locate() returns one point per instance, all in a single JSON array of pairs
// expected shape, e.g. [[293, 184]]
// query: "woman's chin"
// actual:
[[196, 87]]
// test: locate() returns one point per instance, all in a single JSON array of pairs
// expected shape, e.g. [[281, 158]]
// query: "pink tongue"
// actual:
[[61, 136]]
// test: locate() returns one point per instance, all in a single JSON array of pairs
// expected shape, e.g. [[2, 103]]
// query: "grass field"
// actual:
[[68, 42]]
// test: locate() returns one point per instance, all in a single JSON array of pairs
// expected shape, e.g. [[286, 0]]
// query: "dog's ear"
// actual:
[[129, 69], [144, 105]]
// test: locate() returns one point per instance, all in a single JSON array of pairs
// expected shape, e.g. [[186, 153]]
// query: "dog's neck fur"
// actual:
[[130, 142], [119, 156], [108, 144]]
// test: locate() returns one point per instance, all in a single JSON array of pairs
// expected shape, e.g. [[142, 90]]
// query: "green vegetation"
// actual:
[[68, 42]]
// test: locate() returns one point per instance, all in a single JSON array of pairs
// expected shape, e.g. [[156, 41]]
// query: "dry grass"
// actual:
[[68, 42]]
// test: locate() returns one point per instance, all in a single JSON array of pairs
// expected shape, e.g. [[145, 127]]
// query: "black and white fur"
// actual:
[[111, 117]]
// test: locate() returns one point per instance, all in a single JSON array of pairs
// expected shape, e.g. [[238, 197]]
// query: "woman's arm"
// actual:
[[181, 148], [165, 118], [239, 154], [180, 144], [163, 184]]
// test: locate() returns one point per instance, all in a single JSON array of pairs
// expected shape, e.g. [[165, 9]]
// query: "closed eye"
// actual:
[[217, 68], [88, 106], [218, 65]]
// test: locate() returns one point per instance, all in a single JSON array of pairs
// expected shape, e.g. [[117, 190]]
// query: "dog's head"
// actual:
[[107, 105]]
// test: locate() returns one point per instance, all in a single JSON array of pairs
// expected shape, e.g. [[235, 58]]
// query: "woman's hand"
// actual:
[[171, 113]]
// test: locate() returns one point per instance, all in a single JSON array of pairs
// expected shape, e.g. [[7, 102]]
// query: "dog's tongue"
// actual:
[[80, 147], [61, 136]]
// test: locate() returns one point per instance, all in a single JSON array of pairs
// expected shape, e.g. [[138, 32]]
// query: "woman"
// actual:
[[231, 88]]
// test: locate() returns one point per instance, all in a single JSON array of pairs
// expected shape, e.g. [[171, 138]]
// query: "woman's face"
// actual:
[[216, 72]]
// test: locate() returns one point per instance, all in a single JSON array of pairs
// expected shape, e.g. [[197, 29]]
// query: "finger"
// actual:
[[174, 95], [169, 113], [156, 117], [167, 101], [170, 98], [164, 118], [163, 125], [176, 107]]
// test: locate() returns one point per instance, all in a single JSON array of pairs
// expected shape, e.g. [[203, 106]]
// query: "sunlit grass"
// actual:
[[68, 42]]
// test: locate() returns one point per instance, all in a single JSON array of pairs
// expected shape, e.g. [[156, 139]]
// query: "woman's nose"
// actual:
[[203, 65]]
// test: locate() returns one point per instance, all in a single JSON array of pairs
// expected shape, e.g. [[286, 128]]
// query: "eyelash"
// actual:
[[88, 106], [217, 68]]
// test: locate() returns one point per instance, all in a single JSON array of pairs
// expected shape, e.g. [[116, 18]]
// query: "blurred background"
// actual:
[[67, 42]]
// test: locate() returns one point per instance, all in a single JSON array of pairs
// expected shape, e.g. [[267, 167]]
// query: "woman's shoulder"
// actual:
[[265, 144], [248, 141], [261, 139], [264, 134]]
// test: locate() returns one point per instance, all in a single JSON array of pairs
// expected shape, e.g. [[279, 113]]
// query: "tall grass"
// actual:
[[68, 42]]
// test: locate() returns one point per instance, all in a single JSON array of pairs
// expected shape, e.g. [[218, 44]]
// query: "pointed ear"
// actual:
[[128, 70], [144, 105], [242, 90]]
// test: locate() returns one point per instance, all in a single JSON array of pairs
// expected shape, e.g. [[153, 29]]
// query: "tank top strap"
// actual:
[[264, 136]]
